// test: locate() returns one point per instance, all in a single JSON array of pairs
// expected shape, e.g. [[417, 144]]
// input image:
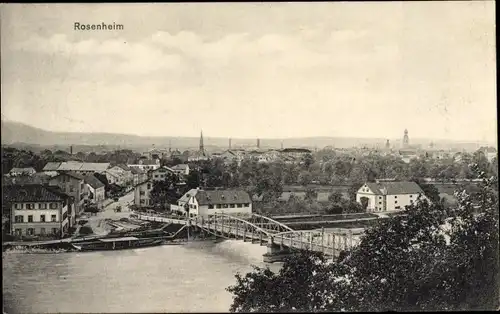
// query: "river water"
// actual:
[[180, 278]]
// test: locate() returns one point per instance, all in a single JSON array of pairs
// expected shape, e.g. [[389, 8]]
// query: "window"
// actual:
[[42, 230], [224, 206], [30, 231], [380, 203], [247, 204], [18, 232], [156, 176], [240, 205], [380, 197], [395, 196], [210, 206], [15, 206], [411, 201], [21, 206], [142, 201], [42, 218], [30, 218], [411, 196], [55, 230], [19, 219], [39, 205], [44, 206], [395, 202], [71, 188], [142, 193], [231, 205], [53, 218], [28, 206], [149, 186]]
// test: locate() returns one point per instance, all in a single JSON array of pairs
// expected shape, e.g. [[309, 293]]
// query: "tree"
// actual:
[[431, 192], [432, 258]]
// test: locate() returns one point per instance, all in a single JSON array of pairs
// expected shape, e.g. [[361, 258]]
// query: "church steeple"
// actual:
[[406, 140], [202, 148]]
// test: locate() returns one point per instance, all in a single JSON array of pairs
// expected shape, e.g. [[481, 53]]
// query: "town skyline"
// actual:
[[336, 71]]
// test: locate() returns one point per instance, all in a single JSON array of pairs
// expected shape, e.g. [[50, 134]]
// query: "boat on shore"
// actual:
[[110, 244]]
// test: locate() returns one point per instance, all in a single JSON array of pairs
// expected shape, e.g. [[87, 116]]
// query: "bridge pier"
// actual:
[[276, 253]]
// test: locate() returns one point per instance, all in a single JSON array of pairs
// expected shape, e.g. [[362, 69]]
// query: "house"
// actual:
[[142, 193], [138, 175], [160, 174], [388, 196], [209, 202], [181, 169], [407, 155], [72, 184], [490, 152], [146, 164], [22, 171], [119, 175], [96, 190], [83, 168], [37, 210]]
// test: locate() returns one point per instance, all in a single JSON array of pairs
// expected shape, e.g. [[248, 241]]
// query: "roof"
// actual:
[[148, 162], [391, 188], [184, 198], [76, 166], [222, 197], [93, 182], [163, 169], [180, 167], [33, 193], [71, 174], [136, 170], [124, 167], [51, 166]]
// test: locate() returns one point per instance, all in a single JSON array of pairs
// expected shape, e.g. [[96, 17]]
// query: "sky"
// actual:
[[248, 70]]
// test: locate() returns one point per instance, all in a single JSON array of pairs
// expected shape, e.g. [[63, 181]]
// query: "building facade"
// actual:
[[142, 194], [96, 189], [205, 203], [22, 172], [181, 169], [72, 184], [388, 196], [38, 210]]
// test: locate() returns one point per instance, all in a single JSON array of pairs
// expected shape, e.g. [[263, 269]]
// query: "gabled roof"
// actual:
[[180, 167], [222, 197], [124, 167], [391, 188], [51, 166], [184, 198], [93, 182], [33, 193], [295, 150]]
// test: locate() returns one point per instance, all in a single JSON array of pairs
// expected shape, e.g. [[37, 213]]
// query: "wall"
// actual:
[[38, 226], [145, 198], [400, 200], [205, 211]]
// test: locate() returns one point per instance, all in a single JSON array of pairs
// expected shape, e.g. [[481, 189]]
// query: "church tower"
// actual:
[[406, 140], [202, 148]]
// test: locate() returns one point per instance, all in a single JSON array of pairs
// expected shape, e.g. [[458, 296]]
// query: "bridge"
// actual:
[[277, 236]]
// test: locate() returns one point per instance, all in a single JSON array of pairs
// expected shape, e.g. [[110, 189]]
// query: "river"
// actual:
[[182, 278]]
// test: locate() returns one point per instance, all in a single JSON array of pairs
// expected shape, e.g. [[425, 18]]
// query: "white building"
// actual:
[[146, 164], [205, 203], [388, 196], [83, 168], [37, 210], [96, 188], [181, 169], [161, 174]]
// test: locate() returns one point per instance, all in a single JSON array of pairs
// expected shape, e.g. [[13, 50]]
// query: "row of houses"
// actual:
[[26, 196]]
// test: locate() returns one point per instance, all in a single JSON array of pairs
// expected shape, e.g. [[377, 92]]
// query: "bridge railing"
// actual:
[[327, 241]]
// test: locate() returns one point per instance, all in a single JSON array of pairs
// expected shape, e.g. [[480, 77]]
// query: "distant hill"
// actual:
[[19, 134]]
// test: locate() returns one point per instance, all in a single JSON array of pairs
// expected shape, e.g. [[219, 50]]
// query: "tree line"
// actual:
[[432, 259]]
